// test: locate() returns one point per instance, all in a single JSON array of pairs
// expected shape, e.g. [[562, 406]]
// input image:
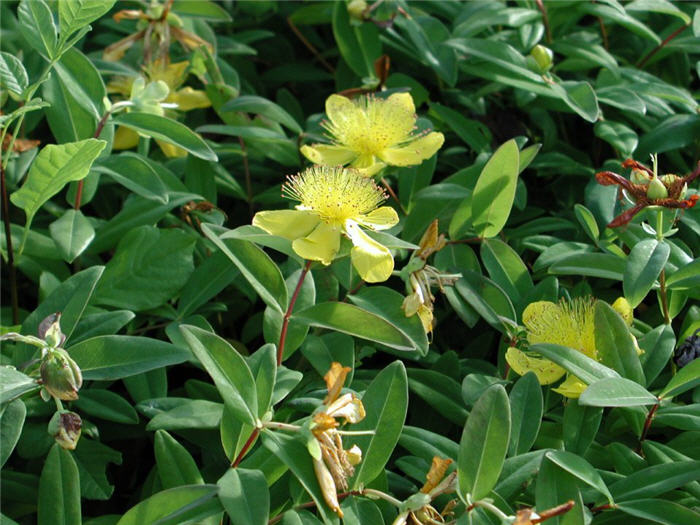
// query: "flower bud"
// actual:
[[624, 308], [656, 189], [50, 330], [543, 57], [356, 8], [60, 375], [325, 481], [65, 427], [639, 176]]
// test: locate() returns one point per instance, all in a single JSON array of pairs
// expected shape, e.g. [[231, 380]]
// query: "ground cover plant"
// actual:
[[350, 262]]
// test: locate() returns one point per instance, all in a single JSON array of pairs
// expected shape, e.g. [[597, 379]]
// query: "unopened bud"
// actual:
[[624, 308], [65, 427], [356, 9], [639, 176], [656, 189], [543, 57], [60, 375], [50, 330]]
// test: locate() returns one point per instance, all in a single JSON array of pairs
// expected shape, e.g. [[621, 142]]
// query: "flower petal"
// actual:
[[328, 154], [325, 481], [348, 407], [405, 100], [171, 151], [339, 109], [290, 224], [125, 138], [322, 244], [380, 219], [188, 99], [572, 388], [546, 371], [372, 261], [415, 151]]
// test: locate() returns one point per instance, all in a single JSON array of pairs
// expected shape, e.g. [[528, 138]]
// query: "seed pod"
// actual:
[[60, 375], [639, 176], [656, 189], [65, 427]]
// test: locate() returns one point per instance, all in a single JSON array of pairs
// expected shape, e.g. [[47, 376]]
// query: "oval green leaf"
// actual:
[[644, 264]]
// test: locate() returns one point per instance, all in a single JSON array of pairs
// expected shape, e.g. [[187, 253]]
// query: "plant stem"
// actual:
[[288, 313], [545, 20], [555, 511], [10, 251], [245, 448], [282, 426], [488, 506], [647, 425], [391, 192], [651, 53]]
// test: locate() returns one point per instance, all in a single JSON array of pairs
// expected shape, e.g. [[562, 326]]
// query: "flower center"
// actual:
[[336, 194], [374, 125]]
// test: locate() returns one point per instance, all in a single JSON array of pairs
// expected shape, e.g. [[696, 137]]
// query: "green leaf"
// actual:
[[658, 345], [245, 496], [644, 264], [107, 405], [52, 169], [296, 457], [167, 130], [176, 466], [359, 44], [92, 458], [577, 363], [506, 268], [14, 384], [484, 443], [581, 469], [616, 392], [618, 135], [554, 485], [174, 506], [256, 266], [82, 82], [487, 298], [13, 76], [658, 6], [614, 343], [685, 278], [134, 173], [38, 28], [526, 408], [580, 97], [111, 357], [580, 427], [386, 303], [205, 9], [686, 378], [494, 192], [443, 393], [196, 413], [264, 107], [72, 233], [587, 220], [386, 403], [59, 490], [603, 265], [148, 268], [355, 321], [228, 369], [656, 480], [75, 14], [660, 511], [11, 422], [472, 132], [263, 366]]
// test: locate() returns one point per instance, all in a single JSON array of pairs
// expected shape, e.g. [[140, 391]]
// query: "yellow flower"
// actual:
[[335, 464], [568, 324], [369, 133], [334, 201]]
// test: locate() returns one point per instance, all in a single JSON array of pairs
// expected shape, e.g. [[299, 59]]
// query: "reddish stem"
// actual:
[[245, 448], [391, 192], [651, 53], [545, 19], [555, 511], [647, 425], [288, 313]]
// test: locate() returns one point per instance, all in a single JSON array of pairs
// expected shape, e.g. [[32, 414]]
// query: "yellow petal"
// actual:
[[546, 371], [380, 219], [339, 108], [405, 100], [335, 379], [348, 407], [188, 99], [437, 471], [572, 388], [624, 308], [171, 151], [328, 155], [372, 261], [290, 224], [125, 138], [325, 481], [372, 170], [415, 151], [537, 317], [322, 244]]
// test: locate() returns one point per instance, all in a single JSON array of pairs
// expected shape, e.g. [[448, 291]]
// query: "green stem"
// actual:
[[491, 508], [59, 405]]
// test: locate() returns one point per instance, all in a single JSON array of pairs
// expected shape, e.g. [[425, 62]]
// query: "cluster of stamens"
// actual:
[[334, 193]]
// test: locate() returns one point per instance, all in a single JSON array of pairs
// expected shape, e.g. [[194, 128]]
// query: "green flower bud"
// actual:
[[60, 375], [356, 8], [669, 179], [174, 20], [543, 57], [50, 330], [656, 189], [639, 176], [65, 427], [147, 97]]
